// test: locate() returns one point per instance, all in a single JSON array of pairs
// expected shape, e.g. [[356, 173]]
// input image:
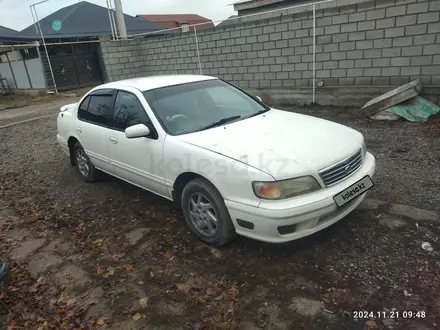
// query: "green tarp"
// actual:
[[416, 110]]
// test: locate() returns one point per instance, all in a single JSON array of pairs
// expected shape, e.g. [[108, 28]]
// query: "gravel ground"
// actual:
[[370, 261]]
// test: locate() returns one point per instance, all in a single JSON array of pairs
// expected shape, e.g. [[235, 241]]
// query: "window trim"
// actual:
[[88, 97], [99, 92], [153, 132], [194, 82]]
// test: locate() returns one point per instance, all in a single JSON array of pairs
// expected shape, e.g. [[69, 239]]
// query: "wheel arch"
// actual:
[[71, 143], [180, 183]]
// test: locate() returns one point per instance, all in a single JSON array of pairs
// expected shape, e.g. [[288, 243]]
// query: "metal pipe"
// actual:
[[110, 19], [114, 25], [45, 48], [114, 20], [120, 19], [33, 18], [50, 44], [12, 71], [314, 54], [198, 50], [27, 73]]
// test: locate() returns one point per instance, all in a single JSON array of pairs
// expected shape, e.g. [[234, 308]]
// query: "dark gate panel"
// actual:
[[75, 66], [65, 72], [89, 71]]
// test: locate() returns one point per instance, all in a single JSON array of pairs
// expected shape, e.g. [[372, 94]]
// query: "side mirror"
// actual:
[[259, 99], [137, 131]]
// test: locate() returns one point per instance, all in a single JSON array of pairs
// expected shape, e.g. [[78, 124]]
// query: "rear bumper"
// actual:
[[303, 216]]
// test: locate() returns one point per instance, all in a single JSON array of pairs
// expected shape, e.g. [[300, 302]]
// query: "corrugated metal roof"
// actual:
[[174, 20], [229, 21], [7, 32], [242, 1], [85, 19]]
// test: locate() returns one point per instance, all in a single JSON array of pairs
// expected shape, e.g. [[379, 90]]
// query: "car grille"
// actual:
[[342, 169]]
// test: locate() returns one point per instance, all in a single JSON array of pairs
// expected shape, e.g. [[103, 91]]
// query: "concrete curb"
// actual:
[[27, 120]]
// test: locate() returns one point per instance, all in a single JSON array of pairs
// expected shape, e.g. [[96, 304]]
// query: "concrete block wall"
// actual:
[[122, 59], [363, 48]]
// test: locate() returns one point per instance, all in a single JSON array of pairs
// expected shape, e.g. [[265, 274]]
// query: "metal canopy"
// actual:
[[10, 48]]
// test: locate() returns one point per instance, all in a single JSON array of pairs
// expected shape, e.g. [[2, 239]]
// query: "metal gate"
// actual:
[[75, 67]]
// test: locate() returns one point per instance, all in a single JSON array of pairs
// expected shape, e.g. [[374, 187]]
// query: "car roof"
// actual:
[[153, 82]]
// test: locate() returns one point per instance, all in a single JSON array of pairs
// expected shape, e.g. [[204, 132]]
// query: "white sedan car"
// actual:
[[233, 164]]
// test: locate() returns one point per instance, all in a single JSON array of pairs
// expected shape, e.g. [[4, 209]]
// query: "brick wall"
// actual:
[[363, 48]]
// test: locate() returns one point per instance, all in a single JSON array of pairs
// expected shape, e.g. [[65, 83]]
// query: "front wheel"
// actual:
[[85, 166], [206, 214]]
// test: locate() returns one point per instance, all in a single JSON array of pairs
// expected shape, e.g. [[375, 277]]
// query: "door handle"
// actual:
[[79, 130], [113, 139]]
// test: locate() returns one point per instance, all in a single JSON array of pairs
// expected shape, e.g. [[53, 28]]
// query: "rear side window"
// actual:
[[82, 110], [129, 111], [100, 107]]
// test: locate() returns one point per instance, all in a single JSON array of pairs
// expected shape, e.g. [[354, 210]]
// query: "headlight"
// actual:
[[364, 149], [286, 188]]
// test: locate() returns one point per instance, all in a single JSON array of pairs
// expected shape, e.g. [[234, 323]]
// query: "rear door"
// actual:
[[94, 115]]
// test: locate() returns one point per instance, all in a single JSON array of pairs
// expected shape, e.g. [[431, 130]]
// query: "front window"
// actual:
[[196, 106], [128, 111]]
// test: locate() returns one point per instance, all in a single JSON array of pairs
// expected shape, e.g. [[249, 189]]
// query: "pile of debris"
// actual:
[[402, 102]]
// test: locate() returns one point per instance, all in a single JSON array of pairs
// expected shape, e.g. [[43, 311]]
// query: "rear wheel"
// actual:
[[206, 214], [85, 166]]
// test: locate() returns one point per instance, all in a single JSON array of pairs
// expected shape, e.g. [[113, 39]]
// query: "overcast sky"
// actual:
[[15, 14]]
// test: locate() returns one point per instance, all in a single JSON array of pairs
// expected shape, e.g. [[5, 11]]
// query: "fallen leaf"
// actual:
[[100, 322], [216, 253], [180, 287], [137, 316], [371, 323], [110, 272], [98, 242], [70, 302], [100, 269], [151, 274], [167, 254], [171, 220], [200, 300], [143, 302], [210, 291], [128, 268]]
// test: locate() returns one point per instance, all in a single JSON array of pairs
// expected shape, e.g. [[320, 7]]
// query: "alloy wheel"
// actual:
[[203, 215]]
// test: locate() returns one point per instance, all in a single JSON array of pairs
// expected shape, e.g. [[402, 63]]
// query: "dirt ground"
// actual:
[[112, 256], [22, 99]]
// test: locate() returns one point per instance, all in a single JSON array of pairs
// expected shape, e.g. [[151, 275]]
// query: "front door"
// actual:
[[139, 160]]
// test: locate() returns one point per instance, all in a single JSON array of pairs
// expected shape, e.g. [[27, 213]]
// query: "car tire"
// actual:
[[200, 216], [85, 167]]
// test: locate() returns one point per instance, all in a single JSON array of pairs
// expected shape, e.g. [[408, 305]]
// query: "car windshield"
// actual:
[[201, 105]]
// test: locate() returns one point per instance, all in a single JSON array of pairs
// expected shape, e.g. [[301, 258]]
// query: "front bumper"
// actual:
[[305, 215]]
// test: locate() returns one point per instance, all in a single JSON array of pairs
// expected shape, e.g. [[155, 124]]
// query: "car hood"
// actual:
[[280, 143]]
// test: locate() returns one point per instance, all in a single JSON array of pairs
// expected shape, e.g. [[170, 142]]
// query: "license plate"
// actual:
[[359, 188]]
